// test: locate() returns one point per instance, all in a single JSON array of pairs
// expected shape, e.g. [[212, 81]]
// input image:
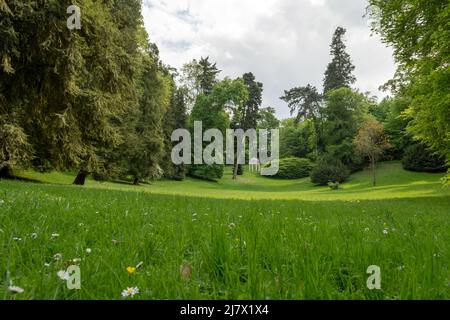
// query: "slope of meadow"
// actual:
[[296, 241]]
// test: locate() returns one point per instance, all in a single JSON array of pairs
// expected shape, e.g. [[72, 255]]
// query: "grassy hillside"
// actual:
[[272, 248], [393, 182]]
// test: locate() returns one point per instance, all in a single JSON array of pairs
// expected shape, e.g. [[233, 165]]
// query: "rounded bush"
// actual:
[[294, 168], [417, 158], [326, 172]]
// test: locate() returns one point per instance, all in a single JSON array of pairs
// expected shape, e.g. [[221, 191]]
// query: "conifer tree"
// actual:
[[339, 72]]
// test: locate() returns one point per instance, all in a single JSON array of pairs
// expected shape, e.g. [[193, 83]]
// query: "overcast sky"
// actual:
[[285, 43]]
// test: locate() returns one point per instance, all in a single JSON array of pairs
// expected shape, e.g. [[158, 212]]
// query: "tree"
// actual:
[[246, 116], [339, 72], [267, 119], [305, 101], [297, 140], [396, 123], [198, 77], [143, 148], [82, 79], [418, 32], [371, 142], [213, 110], [343, 114], [175, 118]]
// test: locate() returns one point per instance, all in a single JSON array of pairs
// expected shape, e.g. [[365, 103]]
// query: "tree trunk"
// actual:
[[5, 172], [235, 170], [374, 173], [136, 181], [81, 178]]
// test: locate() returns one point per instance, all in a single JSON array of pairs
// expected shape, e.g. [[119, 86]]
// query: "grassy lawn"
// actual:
[[255, 238]]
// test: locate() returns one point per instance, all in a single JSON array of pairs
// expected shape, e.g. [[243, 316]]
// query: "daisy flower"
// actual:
[[63, 275], [130, 292], [15, 289], [88, 250]]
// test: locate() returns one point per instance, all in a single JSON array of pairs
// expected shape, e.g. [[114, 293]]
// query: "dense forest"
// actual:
[[100, 101]]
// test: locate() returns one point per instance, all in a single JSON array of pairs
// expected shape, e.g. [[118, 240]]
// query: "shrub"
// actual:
[[326, 172], [206, 172], [334, 185], [419, 159], [294, 168]]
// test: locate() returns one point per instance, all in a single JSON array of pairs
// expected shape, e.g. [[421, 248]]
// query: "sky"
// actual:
[[285, 43]]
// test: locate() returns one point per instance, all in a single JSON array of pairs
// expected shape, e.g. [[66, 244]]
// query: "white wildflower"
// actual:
[[130, 292], [15, 289], [47, 265], [17, 239], [63, 275], [88, 250], [57, 256], [55, 235], [385, 231]]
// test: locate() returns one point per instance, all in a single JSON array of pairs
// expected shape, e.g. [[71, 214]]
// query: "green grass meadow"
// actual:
[[255, 238]]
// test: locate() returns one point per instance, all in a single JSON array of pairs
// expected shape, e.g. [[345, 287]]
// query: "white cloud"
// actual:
[[285, 43]]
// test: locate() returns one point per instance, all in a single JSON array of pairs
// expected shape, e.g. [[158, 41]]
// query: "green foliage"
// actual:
[[175, 118], [227, 95], [207, 172], [334, 185], [82, 79], [305, 101], [198, 77], [339, 72], [344, 112], [419, 159], [267, 119], [15, 150], [297, 140], [247, 116], [418, 31], [395, 124], [329, 170], [293, 168], [143, 146]]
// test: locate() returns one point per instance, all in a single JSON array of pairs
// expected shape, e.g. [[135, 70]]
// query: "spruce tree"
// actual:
[[175, 118], [339, 72]]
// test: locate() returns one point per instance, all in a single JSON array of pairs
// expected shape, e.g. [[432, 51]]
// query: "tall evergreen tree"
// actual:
[[60, 89], [339, 72], [175, 118], [246, 117]]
